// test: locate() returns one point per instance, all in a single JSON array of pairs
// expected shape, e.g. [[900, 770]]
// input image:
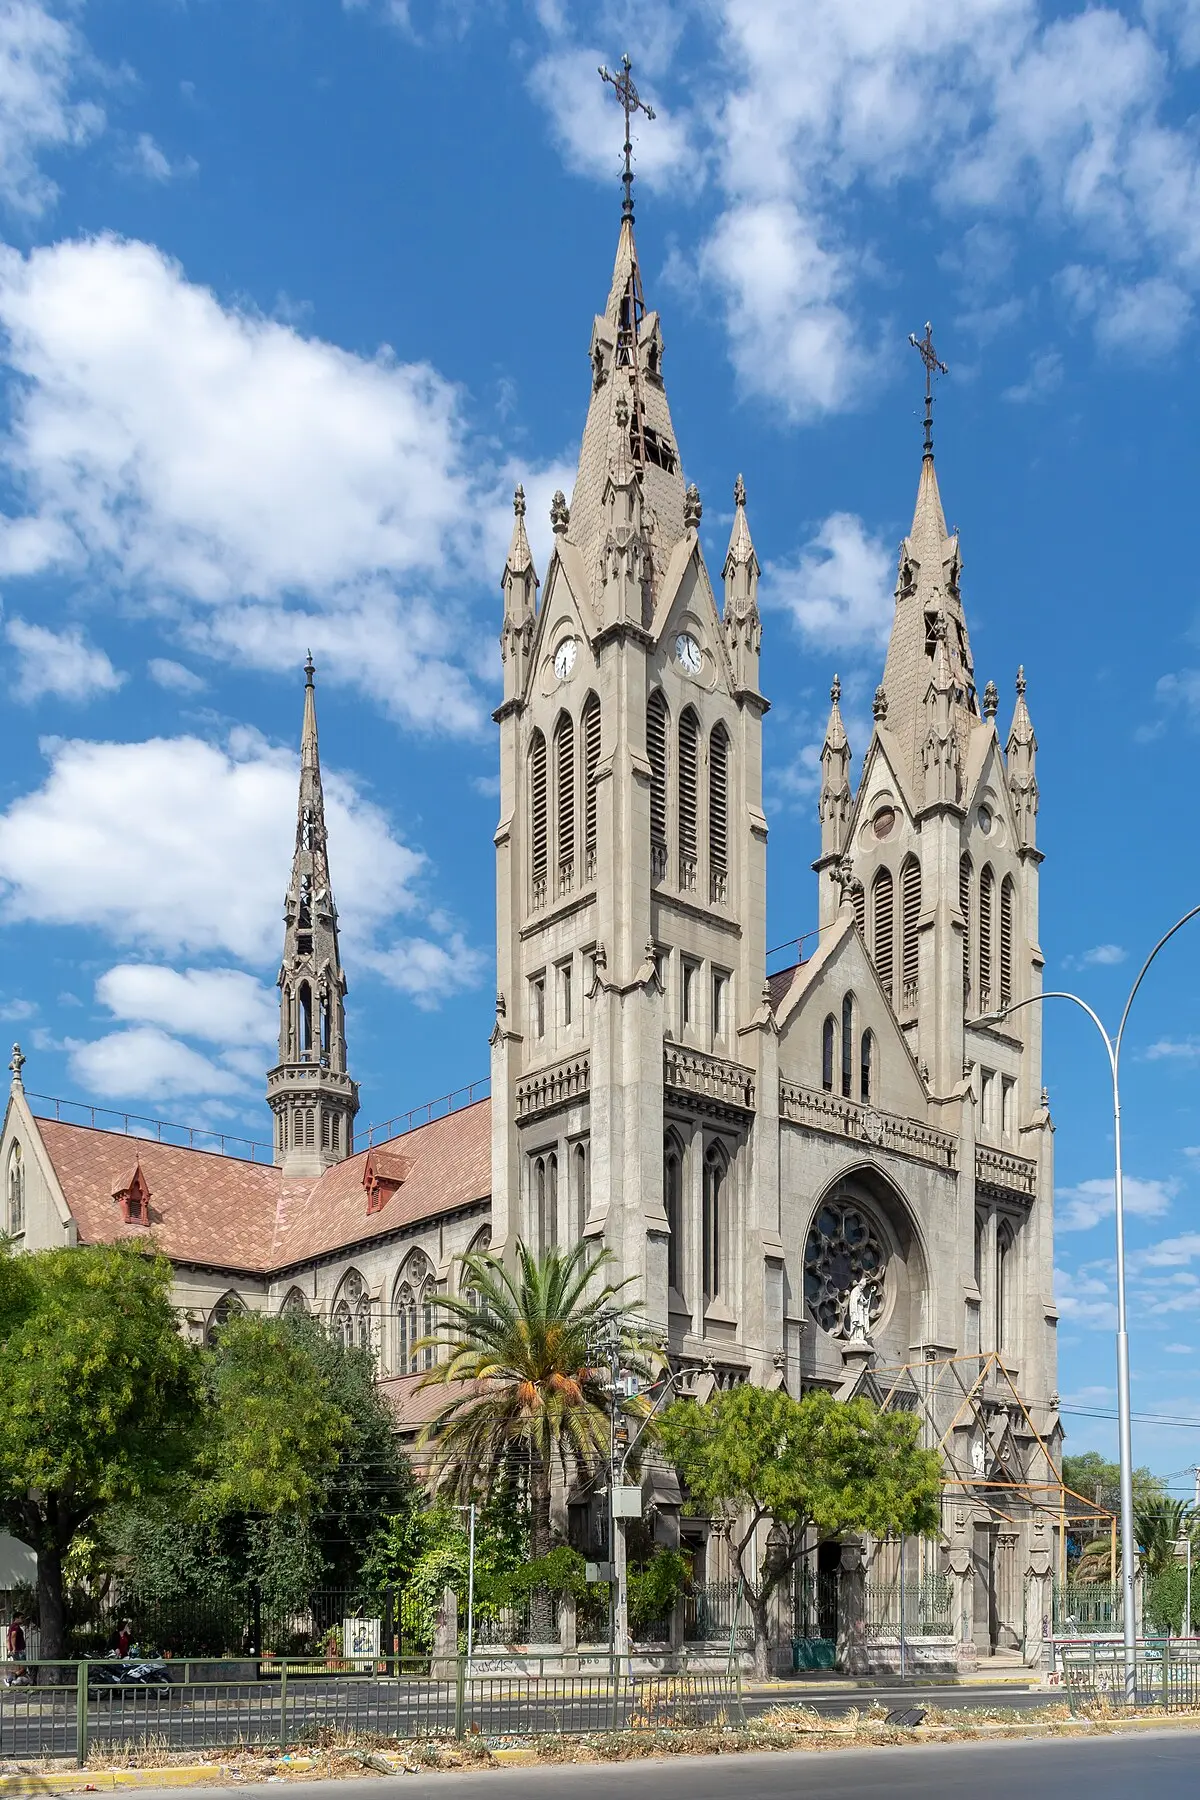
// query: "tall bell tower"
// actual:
[[631, 861], [309, 1091]]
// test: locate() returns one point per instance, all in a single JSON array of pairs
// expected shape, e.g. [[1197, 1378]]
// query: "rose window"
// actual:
[[843, 1249]]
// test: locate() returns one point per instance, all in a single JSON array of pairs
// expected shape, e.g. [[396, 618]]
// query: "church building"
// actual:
[[839, 1174]]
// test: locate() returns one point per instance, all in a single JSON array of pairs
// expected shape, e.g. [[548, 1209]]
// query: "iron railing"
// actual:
[[67, 1710], [1082, 1608], [913, 1609], [1166, 1675]]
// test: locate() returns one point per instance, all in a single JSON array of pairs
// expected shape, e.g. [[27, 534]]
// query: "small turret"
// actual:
[[940, 754], [519, 584], [743, 623], [1022, 768], [626, 568], [836, 798]]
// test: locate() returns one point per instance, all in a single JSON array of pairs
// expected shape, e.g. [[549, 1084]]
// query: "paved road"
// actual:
[[1135, 1766]]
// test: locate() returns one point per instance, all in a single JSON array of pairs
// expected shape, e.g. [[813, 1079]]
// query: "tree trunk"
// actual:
[[541, 1607], [52, 1610], [760, 1612]]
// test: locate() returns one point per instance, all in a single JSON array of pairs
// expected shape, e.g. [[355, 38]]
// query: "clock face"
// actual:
[[688, 653], [564, 658]]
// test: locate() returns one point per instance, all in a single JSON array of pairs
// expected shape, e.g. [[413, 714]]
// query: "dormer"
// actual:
[[383, 1173], [132, 1195]]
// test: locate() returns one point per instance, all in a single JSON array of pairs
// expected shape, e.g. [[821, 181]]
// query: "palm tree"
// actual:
[[521, 1350], [1159, 1526]]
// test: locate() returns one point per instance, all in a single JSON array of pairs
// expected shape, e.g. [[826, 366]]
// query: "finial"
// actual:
[[692, 507], [1021, 682], [519, 501], [739, 492], [879, 704], [16, 1065], [632, 102], [309, 670], [991, 701], [933, 364], [560, 513], [835, 692]]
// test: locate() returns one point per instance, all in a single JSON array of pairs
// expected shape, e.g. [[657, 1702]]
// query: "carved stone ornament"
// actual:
[[844, 1268], [560, 513], [879, 706], [692, 508]]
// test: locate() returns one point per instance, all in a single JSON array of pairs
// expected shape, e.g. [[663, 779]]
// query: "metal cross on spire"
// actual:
[[632, 101], [933, 365]]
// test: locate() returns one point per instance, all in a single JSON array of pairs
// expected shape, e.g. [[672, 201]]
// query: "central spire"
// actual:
[[309, 1090], [632, 102]]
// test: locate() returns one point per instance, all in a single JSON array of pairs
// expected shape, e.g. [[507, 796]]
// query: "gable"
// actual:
[[818, 990]]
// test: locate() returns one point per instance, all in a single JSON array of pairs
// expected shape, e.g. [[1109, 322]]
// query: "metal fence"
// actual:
[[1166, 1671], [913, 1608], [713, 1611], [64, 1713], [194, 1625], [1084, 1607]]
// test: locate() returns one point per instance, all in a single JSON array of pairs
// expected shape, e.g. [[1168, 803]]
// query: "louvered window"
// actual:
[[591, 760], [1007, 907], [858, 901], [987, 885], [910, 914], [538, 822], [884, 927], [656, 751], [689, 758], [564, 801], [718, 816], [964, 907]]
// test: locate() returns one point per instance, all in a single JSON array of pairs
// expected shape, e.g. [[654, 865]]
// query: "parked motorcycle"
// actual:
[[128, 1672]]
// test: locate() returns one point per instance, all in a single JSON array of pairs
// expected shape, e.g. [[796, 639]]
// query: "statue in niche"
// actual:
[[860, 1302]]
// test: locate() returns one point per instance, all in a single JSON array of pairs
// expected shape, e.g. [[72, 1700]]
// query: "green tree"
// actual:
[[99, 1399], [1095, 1478], [520, 1352], [814, 1464]]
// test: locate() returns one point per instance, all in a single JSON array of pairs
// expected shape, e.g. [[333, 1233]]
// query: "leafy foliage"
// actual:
[[656, 1586], [520, 1356], [814, 1463], [99, 1398]]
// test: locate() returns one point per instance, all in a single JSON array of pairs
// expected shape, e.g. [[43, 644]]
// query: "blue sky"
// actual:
[[291, 294]]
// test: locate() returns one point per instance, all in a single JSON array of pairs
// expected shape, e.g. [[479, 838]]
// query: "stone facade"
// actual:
[[838, 1175]]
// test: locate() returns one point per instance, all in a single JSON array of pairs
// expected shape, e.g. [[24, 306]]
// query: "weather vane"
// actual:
[[933, 366], [632, 101]]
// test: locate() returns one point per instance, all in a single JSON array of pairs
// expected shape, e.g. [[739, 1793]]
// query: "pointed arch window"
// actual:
[[229, 1306], [1008, 901], [543, 1178], [591, 761], [713, 1224], [16, 1191], [828, 1045], [866, 1067], [910, 916], [306, 1020], [1004, 1284], [295, 1306], [656, 752], [564, 801], [538, 819], [673, 1207], [965, 872], [847, 1046], [688, 797], [581, 1187], [987, 892], [883, 929], [718, 815], [405, 1309]]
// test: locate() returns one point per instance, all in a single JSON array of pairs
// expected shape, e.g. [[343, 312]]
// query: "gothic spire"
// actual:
[[835, 800], [309, 1091], [1022, 768], [519, 584], [927, 589], [743, 623]]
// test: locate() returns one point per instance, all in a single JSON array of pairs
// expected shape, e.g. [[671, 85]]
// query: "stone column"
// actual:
[[852, 1650], [445, 1638]]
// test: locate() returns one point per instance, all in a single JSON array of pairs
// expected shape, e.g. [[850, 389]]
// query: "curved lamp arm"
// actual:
[[1166, 938]]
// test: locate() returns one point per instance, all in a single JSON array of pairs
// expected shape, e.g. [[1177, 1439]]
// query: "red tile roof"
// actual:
[[778, 985], [223, 1213]]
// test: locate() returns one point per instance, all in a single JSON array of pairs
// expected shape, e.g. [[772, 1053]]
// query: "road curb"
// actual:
[[104, 1781]]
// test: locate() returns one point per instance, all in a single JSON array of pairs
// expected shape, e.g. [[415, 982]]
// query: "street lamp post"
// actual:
[[1124, 1433]]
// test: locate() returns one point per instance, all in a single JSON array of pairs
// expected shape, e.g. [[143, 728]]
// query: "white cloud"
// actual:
[[146, 1063], [1173, 1050], [839, 589], [1045, 374], [1100, 956], [1169, 1253], [1080, 1207], [40, 56], [148, 159], [59, 662], [1179, 1349], [223, 469], [174, 675], [221, 1006], [583, 111], [1085, 1299], [130, 837], [426, 971]]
